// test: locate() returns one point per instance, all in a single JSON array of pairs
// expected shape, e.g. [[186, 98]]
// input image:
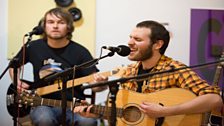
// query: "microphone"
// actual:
[[121, 50], [38, 30]]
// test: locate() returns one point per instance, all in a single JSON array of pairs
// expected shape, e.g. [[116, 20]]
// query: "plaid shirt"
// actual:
[[183, 78]]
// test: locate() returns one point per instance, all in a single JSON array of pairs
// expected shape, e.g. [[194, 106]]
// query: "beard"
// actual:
[[142, 55]]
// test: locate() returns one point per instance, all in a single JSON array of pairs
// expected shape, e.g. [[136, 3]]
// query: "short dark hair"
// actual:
[[158, 32], [62, 14]]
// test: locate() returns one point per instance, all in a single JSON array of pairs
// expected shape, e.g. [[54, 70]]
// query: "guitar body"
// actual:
[[129, 101], [14, 110]]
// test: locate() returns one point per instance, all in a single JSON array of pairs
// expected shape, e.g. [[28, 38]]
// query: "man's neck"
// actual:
[[151, 62], [60, 43]]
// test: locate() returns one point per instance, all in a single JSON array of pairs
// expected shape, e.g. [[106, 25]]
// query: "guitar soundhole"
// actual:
[[132, 114]]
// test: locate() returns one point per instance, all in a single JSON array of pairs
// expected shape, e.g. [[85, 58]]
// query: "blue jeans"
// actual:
[[52, 116]]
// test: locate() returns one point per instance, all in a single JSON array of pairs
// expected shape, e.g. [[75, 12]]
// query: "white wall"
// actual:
[[5, 119], [115, 19]]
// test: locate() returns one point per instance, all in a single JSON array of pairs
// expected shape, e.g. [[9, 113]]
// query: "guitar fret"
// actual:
[[102, 108], [108, 111], [49, 102], [119, 112], [97, 109], [46, 102], [58, 103], [42, 100], [69, 105]]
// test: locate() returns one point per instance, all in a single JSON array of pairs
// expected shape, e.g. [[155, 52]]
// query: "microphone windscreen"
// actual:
[[124, 51]]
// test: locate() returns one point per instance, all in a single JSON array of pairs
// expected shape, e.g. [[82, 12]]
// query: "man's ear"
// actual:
[[159, 44]]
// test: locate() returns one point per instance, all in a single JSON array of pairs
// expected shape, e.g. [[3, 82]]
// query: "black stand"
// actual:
[[113, 90], [15, 82], [64, 101]]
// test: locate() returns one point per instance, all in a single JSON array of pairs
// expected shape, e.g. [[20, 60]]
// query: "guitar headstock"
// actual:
[[27, 98], [23, 100]]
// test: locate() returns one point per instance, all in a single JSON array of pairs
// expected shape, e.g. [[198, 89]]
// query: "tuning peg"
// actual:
[[20, 105]]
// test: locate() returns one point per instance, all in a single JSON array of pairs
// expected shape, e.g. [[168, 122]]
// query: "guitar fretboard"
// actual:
[[37, 101], [96, 109], [106, 111]]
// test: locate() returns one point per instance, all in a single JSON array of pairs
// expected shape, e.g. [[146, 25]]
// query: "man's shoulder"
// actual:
[[77, 46], [168, 61], [37, 42]]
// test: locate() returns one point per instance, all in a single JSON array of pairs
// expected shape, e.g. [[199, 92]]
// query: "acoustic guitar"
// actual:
[[127, 103], [77, 81]]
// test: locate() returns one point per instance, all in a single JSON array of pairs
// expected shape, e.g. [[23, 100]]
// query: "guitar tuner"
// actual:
[[20, 105]]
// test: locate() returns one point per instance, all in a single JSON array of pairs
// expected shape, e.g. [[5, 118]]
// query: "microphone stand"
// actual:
[[64, 100], [113, 90], [65, 73], [14, 62]]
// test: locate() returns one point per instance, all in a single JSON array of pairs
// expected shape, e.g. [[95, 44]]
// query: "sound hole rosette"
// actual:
[[131, 114]]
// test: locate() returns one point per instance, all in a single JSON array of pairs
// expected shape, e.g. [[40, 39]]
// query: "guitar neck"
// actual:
[[37, 101], [96, 109], [54, 87]]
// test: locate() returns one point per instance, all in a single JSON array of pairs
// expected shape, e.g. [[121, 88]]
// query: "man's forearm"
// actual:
[[200, 104]]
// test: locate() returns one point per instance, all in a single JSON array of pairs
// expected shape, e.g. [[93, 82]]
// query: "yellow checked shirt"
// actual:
[[184, 78]]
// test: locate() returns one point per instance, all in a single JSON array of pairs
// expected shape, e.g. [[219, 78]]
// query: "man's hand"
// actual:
[[84, 110], [22, 86], [152, 110], [99, 78]]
